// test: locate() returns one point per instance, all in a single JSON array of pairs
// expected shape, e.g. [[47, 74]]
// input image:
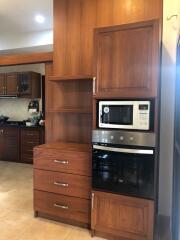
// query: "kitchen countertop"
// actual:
[[19, 124]]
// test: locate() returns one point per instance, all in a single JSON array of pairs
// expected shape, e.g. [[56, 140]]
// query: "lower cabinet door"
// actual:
[[65, 207], [122, 216]]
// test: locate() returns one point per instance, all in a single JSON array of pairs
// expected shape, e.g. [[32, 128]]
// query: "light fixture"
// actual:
[[40, 18]]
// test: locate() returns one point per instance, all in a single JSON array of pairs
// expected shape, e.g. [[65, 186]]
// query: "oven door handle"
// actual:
[[125, 150]]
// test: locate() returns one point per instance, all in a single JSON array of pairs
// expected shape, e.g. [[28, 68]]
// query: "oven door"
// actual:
[[124, 171], [117, 114]]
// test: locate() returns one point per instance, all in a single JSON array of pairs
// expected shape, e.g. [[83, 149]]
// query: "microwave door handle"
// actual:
[[124, 150]]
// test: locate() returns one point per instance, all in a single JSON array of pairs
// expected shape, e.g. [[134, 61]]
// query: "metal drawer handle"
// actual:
[[61, 206], [61, 184], [61, 162], [30, 142]]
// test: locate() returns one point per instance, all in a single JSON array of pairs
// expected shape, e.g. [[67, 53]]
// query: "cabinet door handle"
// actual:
[[3, 90], [61, 206], [61, 162], [92, 201], [94, 85], [61, 184], [2, 131], [17, 88]]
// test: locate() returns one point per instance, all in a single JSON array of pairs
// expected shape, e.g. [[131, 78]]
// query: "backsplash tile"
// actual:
[[15, 109]]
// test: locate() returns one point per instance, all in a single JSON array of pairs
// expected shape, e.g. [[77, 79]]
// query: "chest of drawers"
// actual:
[[62, 182]]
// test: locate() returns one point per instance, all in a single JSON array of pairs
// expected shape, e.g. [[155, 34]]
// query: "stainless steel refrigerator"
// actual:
[[176, 174]]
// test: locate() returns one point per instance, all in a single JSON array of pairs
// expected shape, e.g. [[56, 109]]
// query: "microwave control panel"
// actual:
[[143, 116]]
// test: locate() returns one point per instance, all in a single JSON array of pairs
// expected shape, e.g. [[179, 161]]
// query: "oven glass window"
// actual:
[[120, 115], [124, 173]]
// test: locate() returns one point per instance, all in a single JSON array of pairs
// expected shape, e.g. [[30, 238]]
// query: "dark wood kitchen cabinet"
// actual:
[[9, 144], [30, 138], [121, 217], [2, 82], [21, 84], [29, 84], [127, 60], [11, 84]]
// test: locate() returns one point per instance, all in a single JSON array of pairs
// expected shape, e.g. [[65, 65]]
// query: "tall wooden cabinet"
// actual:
[[127, 60]]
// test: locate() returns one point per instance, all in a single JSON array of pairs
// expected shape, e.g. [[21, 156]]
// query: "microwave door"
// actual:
[[117, 116]]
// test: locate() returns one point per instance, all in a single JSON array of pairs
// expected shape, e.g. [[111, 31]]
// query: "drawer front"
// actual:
[[52, 159], [26, 158], [30, 134], [30, 142], [62, 183], [62, 206]]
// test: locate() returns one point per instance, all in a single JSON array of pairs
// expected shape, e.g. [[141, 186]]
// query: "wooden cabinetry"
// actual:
[[22, 84], [121, 216], [69, 108], [127, 60], [8, 84], [62, 182], [30, 138], [29, 84], [9, 141], [74, 22], [2, 82]]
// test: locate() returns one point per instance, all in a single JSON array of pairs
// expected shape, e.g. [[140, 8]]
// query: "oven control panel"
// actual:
[[124, 138]]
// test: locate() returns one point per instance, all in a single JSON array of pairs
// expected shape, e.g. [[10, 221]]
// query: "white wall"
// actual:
[[170, 33], [28, 39]]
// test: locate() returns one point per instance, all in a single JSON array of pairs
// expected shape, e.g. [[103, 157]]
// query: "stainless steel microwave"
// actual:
[[124, 114]]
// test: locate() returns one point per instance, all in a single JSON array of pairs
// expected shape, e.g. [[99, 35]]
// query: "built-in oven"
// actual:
[[124, 163], [123, 114]]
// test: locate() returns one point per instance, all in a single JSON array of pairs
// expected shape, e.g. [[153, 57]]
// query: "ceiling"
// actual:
[[17, 16]]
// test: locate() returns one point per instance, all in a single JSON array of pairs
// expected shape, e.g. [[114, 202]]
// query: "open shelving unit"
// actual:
[[69, 108]]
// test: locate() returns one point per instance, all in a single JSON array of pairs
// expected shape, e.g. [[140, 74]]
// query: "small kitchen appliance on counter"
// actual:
[[33, 106]]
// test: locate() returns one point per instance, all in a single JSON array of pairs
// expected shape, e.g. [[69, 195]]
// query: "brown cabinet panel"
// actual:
[[127, 59], [62, 183], [11, 86], [74, 17], [2, 83], [9, 140], [30, 138], [68, 162], [66, 207], [122, 216]]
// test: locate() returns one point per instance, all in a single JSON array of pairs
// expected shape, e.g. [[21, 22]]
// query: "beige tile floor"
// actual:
[[16, 212]]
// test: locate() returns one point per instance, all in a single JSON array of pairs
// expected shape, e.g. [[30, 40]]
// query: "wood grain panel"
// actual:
[[8, 60], [127, 68], [2, 83], [11, 83], [74, 22], [62, 183], [63, 160], [76, 209], [122, 216], [69, 127]]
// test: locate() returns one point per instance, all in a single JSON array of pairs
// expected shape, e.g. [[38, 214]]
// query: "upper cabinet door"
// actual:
[[11, 86], [127, 60], [25, 83], [2, 82]]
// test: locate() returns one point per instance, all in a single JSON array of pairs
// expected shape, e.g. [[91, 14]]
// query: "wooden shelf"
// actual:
[[69, 78], [70, 110]]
